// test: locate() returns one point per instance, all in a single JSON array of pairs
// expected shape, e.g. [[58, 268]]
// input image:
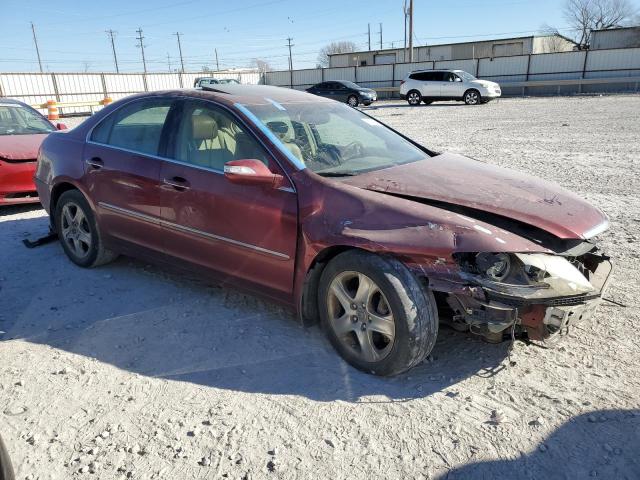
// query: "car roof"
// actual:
[[11, 101], [231, 93], [435, 70]]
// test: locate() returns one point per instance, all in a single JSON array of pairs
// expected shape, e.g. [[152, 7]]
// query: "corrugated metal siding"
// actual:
[[466, 65], [556, 65], [505, 66], [340, 74]]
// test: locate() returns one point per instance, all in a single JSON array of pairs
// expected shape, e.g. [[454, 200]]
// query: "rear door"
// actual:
[[246, 232], [431, 85], [122, 171]]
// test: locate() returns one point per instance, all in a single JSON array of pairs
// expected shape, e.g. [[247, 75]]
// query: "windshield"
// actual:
[[19, 120], [333, 139], [465, 76]]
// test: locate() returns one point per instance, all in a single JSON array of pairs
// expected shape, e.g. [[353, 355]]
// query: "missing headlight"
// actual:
[[496, 266]]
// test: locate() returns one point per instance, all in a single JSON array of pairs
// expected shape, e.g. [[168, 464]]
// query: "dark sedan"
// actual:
[[344, 91], [323, 208]]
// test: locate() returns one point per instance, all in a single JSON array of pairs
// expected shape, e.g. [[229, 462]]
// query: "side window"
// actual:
[[209, 137], [136, 127]]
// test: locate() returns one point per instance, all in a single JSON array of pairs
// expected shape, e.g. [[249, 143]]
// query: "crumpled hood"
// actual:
[[458, 180], [20, 147]]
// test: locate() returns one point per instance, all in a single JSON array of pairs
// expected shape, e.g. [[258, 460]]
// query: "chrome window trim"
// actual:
[[175, 226], [259, 125]]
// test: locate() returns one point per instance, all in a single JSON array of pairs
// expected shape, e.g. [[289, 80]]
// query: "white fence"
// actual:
[[586, 64], [37, 88]]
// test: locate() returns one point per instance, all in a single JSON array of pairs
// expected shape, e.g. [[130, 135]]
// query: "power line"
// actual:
[[111, 34], [141, 45], [35, 40], [177, 34]]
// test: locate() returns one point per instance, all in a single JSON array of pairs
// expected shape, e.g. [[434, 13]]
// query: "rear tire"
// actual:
[[414, 97], [78, 231], [394, 324], [352, 101], [472, 97]]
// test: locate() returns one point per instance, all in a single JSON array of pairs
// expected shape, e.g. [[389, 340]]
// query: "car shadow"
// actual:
[[162, 323], [6, 210], [406, 105], [601, 444]]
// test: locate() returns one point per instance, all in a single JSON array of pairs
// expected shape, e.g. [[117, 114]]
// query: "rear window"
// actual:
[[427, 76], [136, 127]]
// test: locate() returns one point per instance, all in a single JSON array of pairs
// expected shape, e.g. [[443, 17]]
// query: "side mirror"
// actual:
[[251, 172], [61, 126]]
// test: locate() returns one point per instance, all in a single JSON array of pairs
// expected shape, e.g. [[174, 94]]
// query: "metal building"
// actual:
[[457, 51], [624, 37]]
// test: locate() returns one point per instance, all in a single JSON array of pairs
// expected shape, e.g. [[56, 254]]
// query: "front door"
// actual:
[[245, 232], [122, 171], [452, 86]]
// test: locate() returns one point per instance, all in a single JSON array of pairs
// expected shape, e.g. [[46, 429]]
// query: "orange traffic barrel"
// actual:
[[106, 101], [52, 110]]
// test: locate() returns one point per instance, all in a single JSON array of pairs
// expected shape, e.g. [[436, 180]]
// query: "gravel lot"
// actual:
[[133, 371]]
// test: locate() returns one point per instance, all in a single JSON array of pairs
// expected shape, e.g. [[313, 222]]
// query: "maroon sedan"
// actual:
[[316, 205], [22, 130]]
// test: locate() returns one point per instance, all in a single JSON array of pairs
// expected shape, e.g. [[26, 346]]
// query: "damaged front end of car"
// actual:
[[537, 295]]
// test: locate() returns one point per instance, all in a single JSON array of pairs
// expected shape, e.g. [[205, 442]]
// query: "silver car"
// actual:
[[437, 85]]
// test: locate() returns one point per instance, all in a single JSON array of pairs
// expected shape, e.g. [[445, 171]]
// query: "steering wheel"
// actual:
[[353, 149], [328, 155]]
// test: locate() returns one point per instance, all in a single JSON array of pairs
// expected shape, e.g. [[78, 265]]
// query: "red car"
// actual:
[[22, 130], [316, 205]]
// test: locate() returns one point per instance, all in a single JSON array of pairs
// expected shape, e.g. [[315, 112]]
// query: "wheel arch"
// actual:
[[308, 307], [56, 192]]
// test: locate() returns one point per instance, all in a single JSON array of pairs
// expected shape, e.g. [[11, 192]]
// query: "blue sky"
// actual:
[[72, 34]]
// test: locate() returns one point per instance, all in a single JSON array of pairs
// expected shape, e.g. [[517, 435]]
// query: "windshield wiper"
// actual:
[[337, 174]]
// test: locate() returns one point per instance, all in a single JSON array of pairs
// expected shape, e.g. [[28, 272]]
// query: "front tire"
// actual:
[[472, 97], [414, 98], [376, 314], [352, 101], [78, 231]]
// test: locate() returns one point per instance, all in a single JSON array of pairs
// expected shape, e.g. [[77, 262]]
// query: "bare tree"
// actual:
[[332, 48], [587, 15], [262, 65]]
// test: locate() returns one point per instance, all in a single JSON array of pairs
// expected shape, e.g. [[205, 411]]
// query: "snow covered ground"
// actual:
[[135, 371]]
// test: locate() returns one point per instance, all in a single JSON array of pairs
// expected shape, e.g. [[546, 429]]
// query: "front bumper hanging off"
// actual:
[[493, 314]]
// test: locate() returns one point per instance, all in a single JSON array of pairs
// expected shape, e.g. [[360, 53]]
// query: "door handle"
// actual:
[[177, 183], [95, 162]]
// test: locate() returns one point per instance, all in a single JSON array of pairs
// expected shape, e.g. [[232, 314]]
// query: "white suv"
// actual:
[[436, 85]]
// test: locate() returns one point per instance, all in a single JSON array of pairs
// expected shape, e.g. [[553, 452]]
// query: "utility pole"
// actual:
[[169, 61], [411, 30], [405, 13], [177, 34], [290, 62], [112, 34], [140, 38], [289, 44], [381, 36], [369, 32], [35, 40], [217, 63]]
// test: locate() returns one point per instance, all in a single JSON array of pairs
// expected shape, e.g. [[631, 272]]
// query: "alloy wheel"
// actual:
[[471, 98], [360, 316], [75, 230], [414, 98], [352, 101]]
